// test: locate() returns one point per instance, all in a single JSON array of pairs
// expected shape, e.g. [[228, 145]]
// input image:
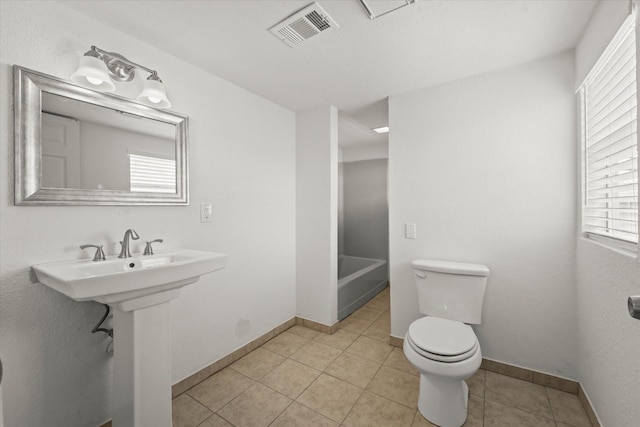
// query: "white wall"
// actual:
[[608, 355], [485, 167], [242, 148], [365, 152], [317, 214]]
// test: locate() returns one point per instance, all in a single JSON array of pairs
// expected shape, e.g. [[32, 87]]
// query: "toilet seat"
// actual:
[[442, 340]]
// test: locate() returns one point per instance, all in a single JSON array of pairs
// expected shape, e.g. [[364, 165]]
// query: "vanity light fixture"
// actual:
[[98, 70], [384, 129]]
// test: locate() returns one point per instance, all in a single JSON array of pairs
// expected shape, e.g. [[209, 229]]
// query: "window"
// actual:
[[610, 143], [152, 174]]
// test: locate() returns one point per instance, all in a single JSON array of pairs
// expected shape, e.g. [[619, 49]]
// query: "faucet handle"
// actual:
[[148, 250], [99, 256]]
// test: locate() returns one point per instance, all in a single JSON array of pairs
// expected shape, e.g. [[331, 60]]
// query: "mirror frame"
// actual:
[[28, 88]]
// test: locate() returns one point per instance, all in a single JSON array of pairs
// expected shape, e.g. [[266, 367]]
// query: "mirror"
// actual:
[[75, 146]]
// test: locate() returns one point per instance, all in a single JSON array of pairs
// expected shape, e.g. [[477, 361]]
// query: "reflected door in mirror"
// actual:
[[60, 152]]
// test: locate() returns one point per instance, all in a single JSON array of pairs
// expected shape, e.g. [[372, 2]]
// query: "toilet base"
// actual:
[[443, 401]]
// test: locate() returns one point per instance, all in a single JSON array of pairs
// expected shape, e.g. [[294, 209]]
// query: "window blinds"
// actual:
[[152, 174], [610, 141]]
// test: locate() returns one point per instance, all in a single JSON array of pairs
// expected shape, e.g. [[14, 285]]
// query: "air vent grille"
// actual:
[[304, 28], [303, 25], [318, 20]]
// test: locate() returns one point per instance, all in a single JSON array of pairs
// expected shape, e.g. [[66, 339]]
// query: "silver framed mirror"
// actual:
[[75, 146]]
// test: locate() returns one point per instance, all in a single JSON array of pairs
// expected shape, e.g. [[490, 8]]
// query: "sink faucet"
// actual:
[[130, 233]]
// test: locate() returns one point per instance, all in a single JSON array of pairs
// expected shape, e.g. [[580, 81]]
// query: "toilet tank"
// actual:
[[451, 290]]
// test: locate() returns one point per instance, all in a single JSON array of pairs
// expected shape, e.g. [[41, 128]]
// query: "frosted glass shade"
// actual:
[[154, 94], [93, 73]]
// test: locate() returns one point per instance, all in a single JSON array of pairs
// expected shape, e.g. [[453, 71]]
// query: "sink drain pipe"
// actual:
[[98, 328]]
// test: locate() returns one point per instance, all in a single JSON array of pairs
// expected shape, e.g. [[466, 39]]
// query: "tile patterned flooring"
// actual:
[[354, 378]]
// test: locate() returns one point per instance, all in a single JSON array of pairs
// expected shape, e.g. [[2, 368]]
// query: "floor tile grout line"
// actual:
[[484, 398], [229, 421], [351, 409], [322, 371], [553, 413], [523, 410], [245, 391], [283, 411], [203, 404], [205, 420], [359, 334]]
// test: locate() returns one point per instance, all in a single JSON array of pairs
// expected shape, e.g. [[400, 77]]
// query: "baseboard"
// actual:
[[316, 326], [586, 404], [547, 380], [204, 373], [540, 378], [395, 341]]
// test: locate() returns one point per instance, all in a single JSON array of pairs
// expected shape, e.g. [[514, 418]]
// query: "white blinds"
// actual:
[[152, 174], [610, 141]]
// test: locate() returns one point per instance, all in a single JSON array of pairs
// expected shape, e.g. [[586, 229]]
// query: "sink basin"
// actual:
[[129, 283]]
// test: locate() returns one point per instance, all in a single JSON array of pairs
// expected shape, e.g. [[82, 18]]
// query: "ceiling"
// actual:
[[357, 65]]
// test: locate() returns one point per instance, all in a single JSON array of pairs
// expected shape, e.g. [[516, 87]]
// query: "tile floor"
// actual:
[[354, 378]]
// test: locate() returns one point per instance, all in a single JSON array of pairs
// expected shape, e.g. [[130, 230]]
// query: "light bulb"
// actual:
[[94, 81], [154, 99]]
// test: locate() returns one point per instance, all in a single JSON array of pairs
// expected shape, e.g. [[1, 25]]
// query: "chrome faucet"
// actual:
[[130, 233]]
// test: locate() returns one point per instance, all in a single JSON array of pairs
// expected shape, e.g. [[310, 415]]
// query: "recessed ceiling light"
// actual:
[[384, 129]]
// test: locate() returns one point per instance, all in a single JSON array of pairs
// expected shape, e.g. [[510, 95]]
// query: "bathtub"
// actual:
[[359, 280]]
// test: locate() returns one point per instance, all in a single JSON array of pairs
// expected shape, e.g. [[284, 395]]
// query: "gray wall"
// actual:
[[366, 217]]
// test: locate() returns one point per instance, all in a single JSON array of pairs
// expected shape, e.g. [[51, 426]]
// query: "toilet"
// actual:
[[442, 346]]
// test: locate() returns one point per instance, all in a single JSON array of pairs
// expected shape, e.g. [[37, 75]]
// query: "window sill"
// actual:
[[624, 248]]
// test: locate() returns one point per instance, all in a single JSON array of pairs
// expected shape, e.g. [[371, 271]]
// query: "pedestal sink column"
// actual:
[[142, 367]]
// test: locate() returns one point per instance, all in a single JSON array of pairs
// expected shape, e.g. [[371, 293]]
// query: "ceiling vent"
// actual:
[[303, 25]]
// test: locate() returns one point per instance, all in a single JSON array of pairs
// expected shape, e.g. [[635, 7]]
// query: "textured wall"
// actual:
[[609, 339], [56, 372], [317, 214], [485, 168]]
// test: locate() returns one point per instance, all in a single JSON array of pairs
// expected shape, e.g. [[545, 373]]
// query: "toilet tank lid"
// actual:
[[451, 267]]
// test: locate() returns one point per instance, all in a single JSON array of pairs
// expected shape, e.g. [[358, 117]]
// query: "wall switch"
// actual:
[[206, 212], [410, 231]]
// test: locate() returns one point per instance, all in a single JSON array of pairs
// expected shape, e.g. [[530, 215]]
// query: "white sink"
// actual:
[[129, 283], [139, 289]]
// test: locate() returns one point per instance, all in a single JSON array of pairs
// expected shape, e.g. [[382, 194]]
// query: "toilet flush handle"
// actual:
[[633, 304], [420, 274]]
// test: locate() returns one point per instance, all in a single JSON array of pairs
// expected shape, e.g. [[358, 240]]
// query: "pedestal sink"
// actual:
[[139, 290]]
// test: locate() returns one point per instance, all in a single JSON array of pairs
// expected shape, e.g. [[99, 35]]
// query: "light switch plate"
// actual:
[[206, 212], [410, 231]]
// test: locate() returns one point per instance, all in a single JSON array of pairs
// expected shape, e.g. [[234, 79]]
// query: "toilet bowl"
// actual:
[[441, 345], [443, 396]]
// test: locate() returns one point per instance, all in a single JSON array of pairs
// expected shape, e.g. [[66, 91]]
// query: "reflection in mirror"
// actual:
[[75, 146], [91, 147]]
